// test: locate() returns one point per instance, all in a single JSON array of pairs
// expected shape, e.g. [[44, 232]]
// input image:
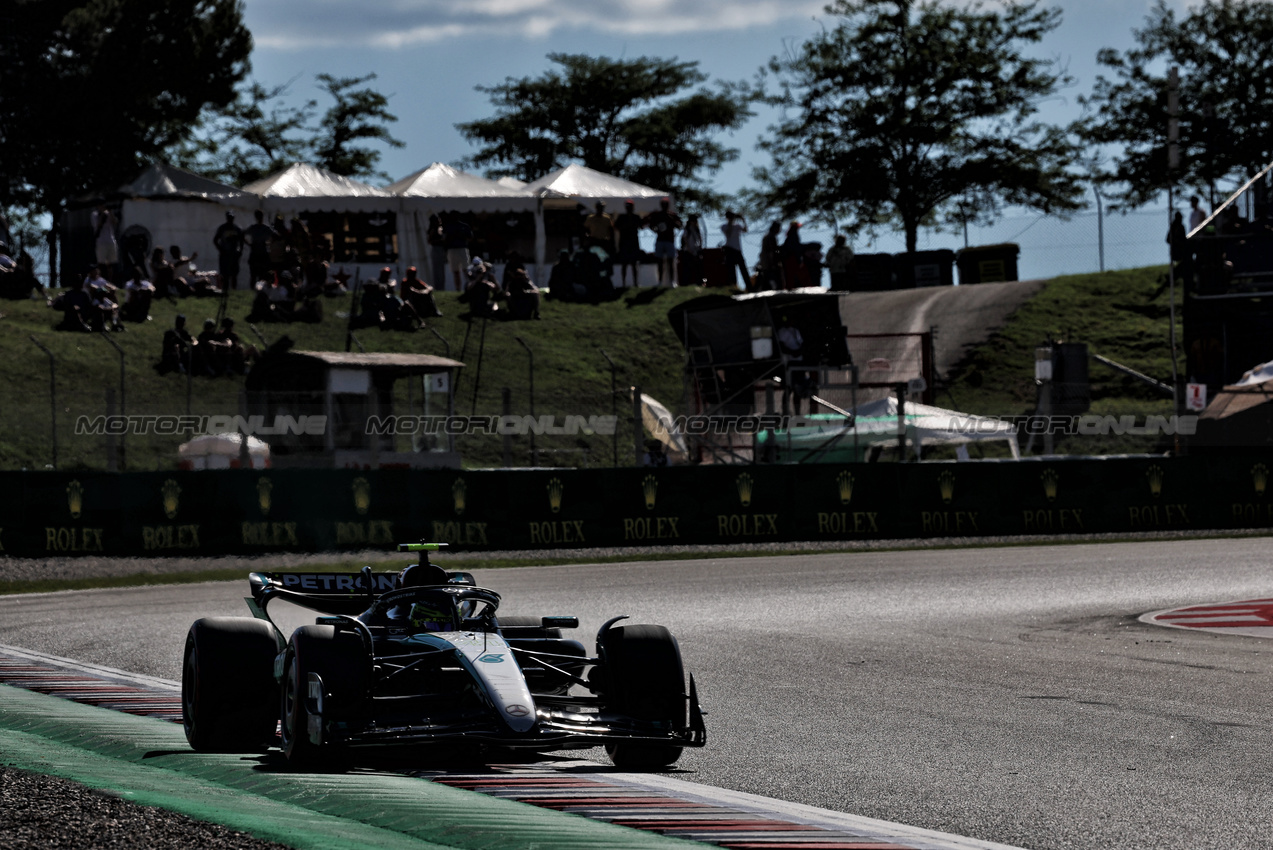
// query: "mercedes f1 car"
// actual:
[[421, 657]]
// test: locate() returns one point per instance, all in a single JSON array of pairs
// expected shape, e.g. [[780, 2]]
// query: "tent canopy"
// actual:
[[578, 183], [443, 181], [160, 180], [301, 180]]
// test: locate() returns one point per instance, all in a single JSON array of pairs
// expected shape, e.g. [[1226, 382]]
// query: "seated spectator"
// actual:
[[594, 274], [17, 275], [104, 312], [562, 282], [240, 356], [138, 294], [77, 310], [212, 354], [308, 309], [482, 293], [370, 306], [164, 276], [177, 348], [202, 284], [523, 296], [337, 284], [274, 301], [419, 295]]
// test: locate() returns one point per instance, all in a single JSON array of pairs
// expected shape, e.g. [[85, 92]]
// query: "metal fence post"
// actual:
[[122, 397], [506, 397], [637, 429], [52, 396], [534, 452], [614, 408]]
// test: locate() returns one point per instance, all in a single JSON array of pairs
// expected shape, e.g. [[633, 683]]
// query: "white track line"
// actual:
[[109, 673]]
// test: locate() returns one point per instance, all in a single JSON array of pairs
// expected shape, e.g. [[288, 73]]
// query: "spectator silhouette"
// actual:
[[457, 235], [734, 228], [692, 252], [258, 237], [628, 227], [229, 244], [177, 348], [419, 295], [138, 294], [665, 223]]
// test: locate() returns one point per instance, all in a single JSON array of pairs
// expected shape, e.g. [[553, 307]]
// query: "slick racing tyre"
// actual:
[[645, 681], [229, 698], [340, 661]]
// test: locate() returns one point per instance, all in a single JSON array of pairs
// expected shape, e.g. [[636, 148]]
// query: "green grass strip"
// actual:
[[147, 761]]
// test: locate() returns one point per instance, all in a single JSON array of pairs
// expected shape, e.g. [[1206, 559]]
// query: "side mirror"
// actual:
[[560, 622]]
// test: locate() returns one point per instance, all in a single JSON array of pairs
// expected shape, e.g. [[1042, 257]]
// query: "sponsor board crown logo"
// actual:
[[172, 498], [1155, 477], [845, 483], [946, 485], [263, 489], [1260, 478], [362, 495], [744, 485], [1050, 480], [459, 496], [650, 487], [75, 498], [555, 491]]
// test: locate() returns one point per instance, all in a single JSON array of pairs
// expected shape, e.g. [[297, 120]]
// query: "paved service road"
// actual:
[[1006, 694]]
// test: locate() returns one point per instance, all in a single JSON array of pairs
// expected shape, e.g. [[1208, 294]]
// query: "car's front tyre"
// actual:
[[645, 680], [340, 662]]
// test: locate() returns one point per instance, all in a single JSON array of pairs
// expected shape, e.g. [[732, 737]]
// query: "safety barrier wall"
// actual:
[[257, 512]]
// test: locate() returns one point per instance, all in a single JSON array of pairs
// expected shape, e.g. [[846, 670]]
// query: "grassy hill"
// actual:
[[1122, 315], [571, 375]]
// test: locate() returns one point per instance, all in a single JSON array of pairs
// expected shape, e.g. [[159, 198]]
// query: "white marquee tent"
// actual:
[[177, 207]]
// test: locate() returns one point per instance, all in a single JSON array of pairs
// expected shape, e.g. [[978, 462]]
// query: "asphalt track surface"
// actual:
[[1006, 694]]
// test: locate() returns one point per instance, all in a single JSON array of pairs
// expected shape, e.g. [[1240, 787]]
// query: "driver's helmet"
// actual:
[[436, 612]]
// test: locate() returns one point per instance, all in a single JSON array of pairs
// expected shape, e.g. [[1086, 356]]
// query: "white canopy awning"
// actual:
[[580, 184], [301, 187], [443, 181]]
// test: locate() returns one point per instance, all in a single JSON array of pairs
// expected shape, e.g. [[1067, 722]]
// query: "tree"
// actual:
[[632, 118], [916, 113], [358, 114], [1224, 52], [251, 138], [260, 133], [92, 89]]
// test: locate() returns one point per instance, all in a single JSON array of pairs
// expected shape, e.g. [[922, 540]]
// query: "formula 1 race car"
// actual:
[[420, 657]]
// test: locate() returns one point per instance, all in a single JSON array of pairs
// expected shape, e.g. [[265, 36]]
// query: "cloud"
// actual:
[[396, 24]]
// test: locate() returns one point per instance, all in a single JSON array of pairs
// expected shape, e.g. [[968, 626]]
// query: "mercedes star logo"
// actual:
[[517, 710]]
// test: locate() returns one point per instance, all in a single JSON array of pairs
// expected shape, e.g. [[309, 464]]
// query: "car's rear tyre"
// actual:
[[340, 661], [229, 698], [645, 680]]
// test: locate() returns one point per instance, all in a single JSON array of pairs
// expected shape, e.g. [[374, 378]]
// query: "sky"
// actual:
[[429, 55]]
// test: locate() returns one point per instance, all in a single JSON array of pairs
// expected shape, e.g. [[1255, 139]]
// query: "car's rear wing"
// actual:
[[330, 593]]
